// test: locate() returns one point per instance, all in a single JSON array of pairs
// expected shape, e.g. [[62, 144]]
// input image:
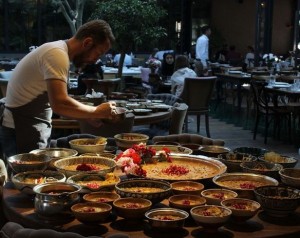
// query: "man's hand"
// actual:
[[106, 110]]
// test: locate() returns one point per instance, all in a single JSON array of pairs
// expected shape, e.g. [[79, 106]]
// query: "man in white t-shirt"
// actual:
[[202, 46], [39, 85]]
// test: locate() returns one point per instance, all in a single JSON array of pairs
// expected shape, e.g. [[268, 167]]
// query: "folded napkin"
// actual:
[[235, 72]]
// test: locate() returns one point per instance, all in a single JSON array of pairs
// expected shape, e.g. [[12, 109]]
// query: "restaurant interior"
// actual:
[[217, 159]]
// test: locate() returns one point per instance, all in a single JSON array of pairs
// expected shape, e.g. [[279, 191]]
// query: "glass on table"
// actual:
[[272, 80]]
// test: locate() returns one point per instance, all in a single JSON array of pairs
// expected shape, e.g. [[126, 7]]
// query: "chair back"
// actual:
[[108, 129], [261, 100], [145, 74], [197, 92], [177, 119]]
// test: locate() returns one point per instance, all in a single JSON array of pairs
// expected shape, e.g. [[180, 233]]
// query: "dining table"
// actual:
[[110, 72], [19, 207], [237, 78]]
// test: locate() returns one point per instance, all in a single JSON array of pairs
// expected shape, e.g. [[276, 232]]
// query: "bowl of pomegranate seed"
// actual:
[[186, 201]]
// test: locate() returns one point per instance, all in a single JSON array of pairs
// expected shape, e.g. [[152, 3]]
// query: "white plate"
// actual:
[[141, 111]]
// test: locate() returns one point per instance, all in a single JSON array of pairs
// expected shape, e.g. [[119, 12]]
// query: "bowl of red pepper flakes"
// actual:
[[186, 201], [242, 209]]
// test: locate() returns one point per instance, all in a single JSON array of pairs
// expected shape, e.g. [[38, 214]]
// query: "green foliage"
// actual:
[[133, 22]]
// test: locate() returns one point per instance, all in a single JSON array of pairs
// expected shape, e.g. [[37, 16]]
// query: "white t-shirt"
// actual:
[[202, 49], [127, 60], [28, 80], [177, 79]]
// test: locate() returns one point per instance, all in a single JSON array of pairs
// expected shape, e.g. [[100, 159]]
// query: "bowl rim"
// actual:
[[71, 142], [187, 181], [258, 206], [14, 158], [279, 166], [84, 197], [258, 193], [14, 177], [206, 205], [281, 173], [97, 204], [40, 151], [137, 200], [198, 197], [220, 189], [117, 137], [184, 213]]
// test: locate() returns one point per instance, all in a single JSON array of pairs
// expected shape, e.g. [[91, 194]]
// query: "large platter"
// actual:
[[200, 167]]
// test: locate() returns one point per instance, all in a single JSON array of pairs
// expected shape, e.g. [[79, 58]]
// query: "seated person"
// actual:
[[249, 58], [182, 71], [92, 71], [167, 66], [127, 60]]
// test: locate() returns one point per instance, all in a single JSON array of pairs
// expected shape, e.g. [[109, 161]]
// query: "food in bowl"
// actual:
[[89, 145], [242, 209], [25, 181], [166, 218], [127, 140], [290, 177], [91, 212], [95, 182], [285, 161], [85, 164], [187, 187], [103, 196], [214, 196], [132, 208], [186, 201], [278, 201], [28, 162], [210, 216], [262, 167], [213, 150], [184, 167], [233, 160]]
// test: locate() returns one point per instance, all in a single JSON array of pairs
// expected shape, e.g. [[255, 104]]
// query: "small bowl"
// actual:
[[233, 160], [242, 209], [55, 154], [187, 187], [93, 182], [107, 197], [285, 161], [290, 177], [213, 150], [88, 164], [243, 183], [127, 140], [262, 167], [153, 190], [256, 152], [166, 218], [91, 212], [215, 196], [28, 162], [278, 201], [26, 181], [132, 208], [186, 201], [211, 216], [88, 145]]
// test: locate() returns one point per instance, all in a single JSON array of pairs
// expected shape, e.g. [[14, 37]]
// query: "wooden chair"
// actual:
[[265, 106], [197, 94]]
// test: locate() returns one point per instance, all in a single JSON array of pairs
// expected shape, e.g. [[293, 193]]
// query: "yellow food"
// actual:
[[143, 189], [274, 157]]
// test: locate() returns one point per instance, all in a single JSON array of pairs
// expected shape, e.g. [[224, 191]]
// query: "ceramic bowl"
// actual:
[[215, 196], [166, 218], [242, 209], [26, 181], [103, 196], [278, 201], [153, 190], [290, 177], [243, 183], [91, 212], [186, 201], [127, 140], [285, 161], [55, 154], [93, 182], [88, 145], [132, 208], [210, 216], [85, 164], [213, 150], [262, 167], [257, 152], [187, 187], [28, 162], [233, 160]]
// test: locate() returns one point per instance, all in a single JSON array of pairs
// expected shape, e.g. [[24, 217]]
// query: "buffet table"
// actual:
[[19, 208]]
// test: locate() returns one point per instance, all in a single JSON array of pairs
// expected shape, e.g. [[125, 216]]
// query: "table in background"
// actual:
[[19, 208], [238, 80]]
